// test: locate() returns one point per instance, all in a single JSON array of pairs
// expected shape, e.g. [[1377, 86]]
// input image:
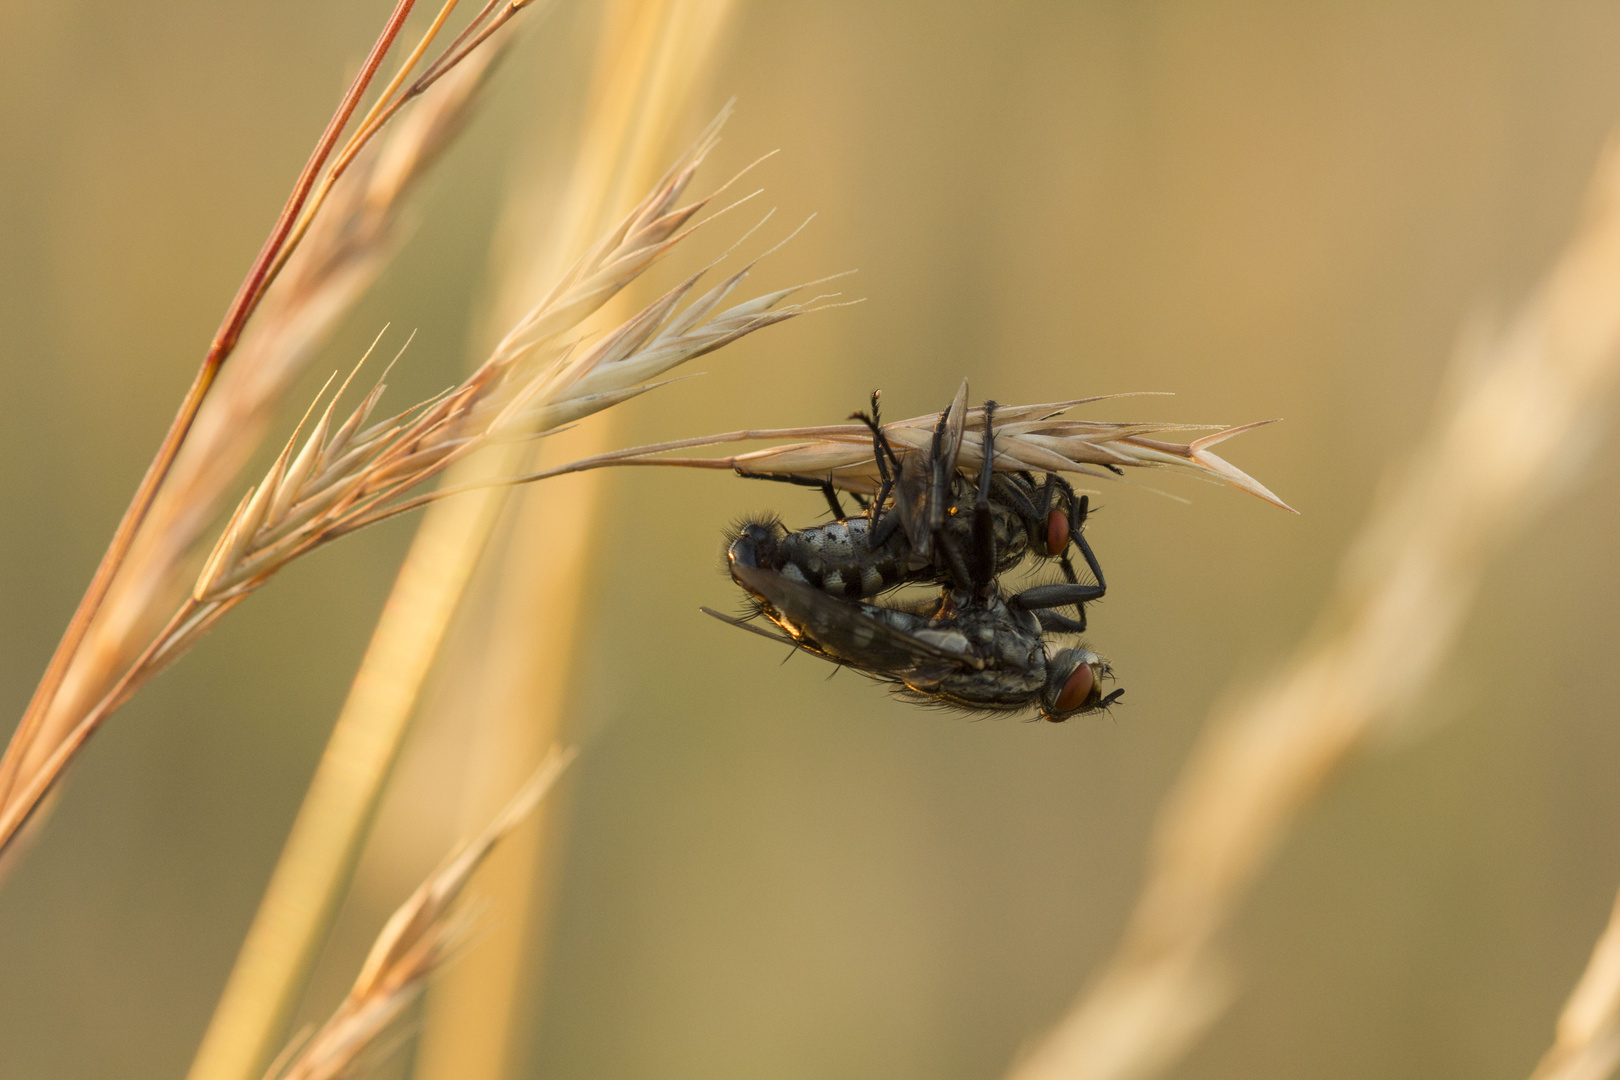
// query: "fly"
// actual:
[[973, 647], [974, 652], [931, 525]]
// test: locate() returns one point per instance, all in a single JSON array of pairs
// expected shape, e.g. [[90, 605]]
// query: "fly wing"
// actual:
[[920, 515], [924, 489], [841, 631], [744, 624], [946, 450]]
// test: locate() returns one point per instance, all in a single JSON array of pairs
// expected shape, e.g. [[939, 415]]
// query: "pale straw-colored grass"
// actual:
[[418, 938], [1027, 438], [651, 62], [342, 254], [1517, 426], [344, 475], [46, 736], [1587, 1043], [351, 471]]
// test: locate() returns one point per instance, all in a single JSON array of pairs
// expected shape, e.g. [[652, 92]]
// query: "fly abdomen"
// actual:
[[837, 559]]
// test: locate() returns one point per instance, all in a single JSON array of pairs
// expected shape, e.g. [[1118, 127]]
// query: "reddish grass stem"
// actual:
[[259, 277]]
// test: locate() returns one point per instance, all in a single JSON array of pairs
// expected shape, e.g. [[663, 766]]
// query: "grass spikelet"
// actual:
[[415, 942], [1587, 1046], [533, 381], [343, 249], [1513, 432], [1028, 437]]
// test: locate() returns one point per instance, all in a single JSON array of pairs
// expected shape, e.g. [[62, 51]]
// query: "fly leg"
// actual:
[[888, 465], [1077, 536], [829, 492], [974, 571], [942, 467], [1041, 598], [984, 535], [962, 575], [1053, 623], [1078, 509]]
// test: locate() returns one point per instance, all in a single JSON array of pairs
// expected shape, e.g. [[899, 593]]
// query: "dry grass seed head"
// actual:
[[341, 480], [415, 942], [532, 383], [345, 249], [1517, 425], [1027, 438]]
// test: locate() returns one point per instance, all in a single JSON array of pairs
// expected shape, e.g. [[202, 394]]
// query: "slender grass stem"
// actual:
[[248, 295]]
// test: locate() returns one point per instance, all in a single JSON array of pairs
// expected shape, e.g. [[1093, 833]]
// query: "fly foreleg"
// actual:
[[888, 464], [1077, 534], [984, 534], [829, 492], [1042, 597], [1053, 623]]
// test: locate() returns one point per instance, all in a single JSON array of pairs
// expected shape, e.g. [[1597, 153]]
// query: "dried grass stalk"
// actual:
[[1515, 431], [351, 471], [536, 368], [1587, 1046], [414, 943], [44, 737], [341, 256], [1028, 437]]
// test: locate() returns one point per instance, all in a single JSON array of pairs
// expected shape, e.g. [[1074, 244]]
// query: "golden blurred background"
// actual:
[[1270, 209]]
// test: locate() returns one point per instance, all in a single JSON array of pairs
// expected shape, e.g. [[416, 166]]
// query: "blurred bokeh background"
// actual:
[[1270, 209]]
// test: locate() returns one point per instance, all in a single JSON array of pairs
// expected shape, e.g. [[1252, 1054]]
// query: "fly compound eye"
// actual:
[[1080, 688], [1057, 532]]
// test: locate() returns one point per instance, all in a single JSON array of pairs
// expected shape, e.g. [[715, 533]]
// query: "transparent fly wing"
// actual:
[[843, 631], [926, 483]]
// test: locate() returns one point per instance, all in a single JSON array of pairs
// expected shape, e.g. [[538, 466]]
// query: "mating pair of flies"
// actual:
[[972, 646]]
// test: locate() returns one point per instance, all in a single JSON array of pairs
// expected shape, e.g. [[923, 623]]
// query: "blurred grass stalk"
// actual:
[[1518, 423], [342, 254], [1587, 1044], [649, 56], [149, 559], [424, 933], [651, 61]]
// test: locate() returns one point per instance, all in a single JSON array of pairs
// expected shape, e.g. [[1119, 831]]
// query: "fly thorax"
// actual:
[[1012, 539]]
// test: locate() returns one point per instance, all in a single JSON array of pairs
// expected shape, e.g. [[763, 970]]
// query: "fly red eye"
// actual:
[[1077, 690], [1057, 532]]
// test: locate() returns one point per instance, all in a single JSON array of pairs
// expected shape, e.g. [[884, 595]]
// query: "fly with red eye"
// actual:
[[973, 647], [929, 524], [959, 651]]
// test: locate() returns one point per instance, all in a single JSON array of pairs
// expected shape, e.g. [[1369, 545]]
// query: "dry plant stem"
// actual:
[[392, 100], [1587, 1046], [225, 339], [414, 943], [474, 1024], [347, 473], [287, 929], [336, 263], [1514, 433], [1028, 437]]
